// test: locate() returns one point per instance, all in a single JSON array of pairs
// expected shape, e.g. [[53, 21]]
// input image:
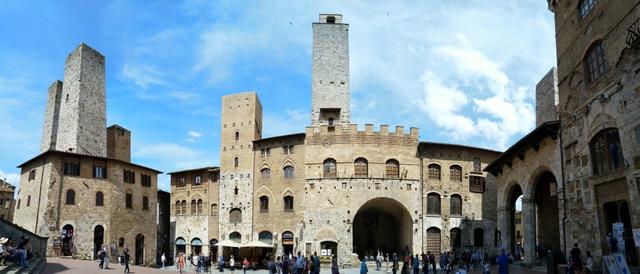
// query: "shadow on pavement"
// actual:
[[51, 268]]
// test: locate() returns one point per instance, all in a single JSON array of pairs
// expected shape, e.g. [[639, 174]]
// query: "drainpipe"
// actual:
[[564, 191], [44, 160]]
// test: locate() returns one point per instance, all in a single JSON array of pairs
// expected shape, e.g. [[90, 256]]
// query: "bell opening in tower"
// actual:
[[329, 116]]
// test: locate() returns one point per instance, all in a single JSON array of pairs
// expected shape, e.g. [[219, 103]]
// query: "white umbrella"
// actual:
[[228, 243], [257, 244]]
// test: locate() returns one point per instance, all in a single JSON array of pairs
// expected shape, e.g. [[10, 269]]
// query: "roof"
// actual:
[[281, 137], [423, 145], [51, 151], [208, 168], [531, 140]]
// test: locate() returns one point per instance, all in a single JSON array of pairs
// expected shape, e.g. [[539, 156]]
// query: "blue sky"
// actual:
[[462, 71]]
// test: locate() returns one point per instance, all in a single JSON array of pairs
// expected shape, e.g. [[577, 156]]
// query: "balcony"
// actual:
[[633, 34]]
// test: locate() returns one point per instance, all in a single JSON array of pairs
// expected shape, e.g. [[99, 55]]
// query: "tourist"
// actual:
[[363, 266], [294, 265], [126, 256], [405, 265], [279, 265], [378, 260], [425, 263], [416, 264], [245, 265], [316, 263], [232, 264], [576, 260], [21, 252], [180, 262], [589, 262], [443, 262], [286, 265], [107, 258], [503, 263], [163, 259], [395, 266], [486, 269], [4, 251], [221, 263], [201, 262], [335, 269], [194, 262], [432, 259], [101, 257], [613, 243]]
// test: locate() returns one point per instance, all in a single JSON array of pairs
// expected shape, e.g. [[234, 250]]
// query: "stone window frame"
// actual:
[[71, 166], [329, 168], [128, 176], [392, 169], [265, 173], [28, 200], [183, 207], [455, 173], [128, 200], [601, 155], [194, 207], [264, 204], [288, 203], [99, 169], [70, 197], [99, 198], [595, 62], [236, 162], [360, 167], [199, 209], [178, 208], [434, 204], [237, 136], [214, 209], [32, 174], [235, 215], [585, 7], [434, 172], [455, 205], [181, 181], [145, 180], [288, 171], [197, 180]]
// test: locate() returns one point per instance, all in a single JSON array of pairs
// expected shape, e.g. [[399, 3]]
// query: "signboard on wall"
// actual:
[[618, 228]]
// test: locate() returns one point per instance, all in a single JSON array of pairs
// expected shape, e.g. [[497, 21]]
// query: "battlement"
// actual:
[[351, 135]]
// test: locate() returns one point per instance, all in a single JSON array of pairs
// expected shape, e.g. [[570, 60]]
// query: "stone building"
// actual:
[[583, 162], [334, 189], [82, 190], [6, 200]]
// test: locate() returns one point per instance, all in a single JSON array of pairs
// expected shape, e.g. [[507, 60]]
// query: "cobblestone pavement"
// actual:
[[69, 266]]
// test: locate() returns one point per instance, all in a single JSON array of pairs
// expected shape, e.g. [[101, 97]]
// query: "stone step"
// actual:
[[35, 266]]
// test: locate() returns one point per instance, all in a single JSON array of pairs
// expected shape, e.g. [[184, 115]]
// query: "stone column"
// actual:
[[504, 226], [529, 227]]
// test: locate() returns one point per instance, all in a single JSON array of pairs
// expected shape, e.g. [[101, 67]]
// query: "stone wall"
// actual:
[[547, 98], [38, 243], [119, 143], [51, 117]]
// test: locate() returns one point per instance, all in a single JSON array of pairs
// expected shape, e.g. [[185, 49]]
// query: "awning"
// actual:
[[228, 243], [196, 242], [181, 241], [257, 244]]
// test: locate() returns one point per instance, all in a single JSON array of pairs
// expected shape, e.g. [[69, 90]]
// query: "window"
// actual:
[[331, 19], [330, 120], [606, 152], [288, 172], [199, 211], [121, 242], [235, 236], [128, 200], [145, 203], [72, 167], [433, 204], [99, 171], [456, 205], [288, 204], [361, 167], [235, 190], [594, 62], [177, 208], [99, 199], [129, 176], [146, 180], [236, 161], [237, 135], [392, 168], [264, 204], [288, 149], [214, 209], [585, 6], [455, 173], [29, 201], [433, 172], [32, 174], [197, 180], [183, 207], [193, 207], [235, 215], [71, 197], [329, 168], [265, 172], [18, 206], [181, 182], [476, 184]]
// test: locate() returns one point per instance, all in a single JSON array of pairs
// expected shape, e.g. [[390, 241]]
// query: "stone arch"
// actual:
[[287, 162], [600, 122], [381, 223], [288, 192], [506, 191], [532, 182], [264, 190], [326, 234]]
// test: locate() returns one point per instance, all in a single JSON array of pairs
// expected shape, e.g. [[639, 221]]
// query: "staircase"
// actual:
[[35, 266]]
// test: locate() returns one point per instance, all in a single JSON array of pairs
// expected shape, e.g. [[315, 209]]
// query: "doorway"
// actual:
[[139, 249]]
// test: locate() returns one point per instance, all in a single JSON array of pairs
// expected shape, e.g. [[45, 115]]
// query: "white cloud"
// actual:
[[142, 75], [172, 156], [12, 178], [192, 136], [184, 96]]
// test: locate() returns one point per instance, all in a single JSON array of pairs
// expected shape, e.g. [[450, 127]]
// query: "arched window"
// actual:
[[288, 203], [595, 63], [177, 208], [361, 167], [478, 237], [184, 207], [433, 203], [264, 204], [265, 173], [606, 153], [193, 207], [99, 199], [456, 205], [236, 162], [433, 172], [237, 135], [288, 172], [235, 215], [455, 173], [214, 209], [235, 236], [199, 206], [329, 168], [392, 168], [585, 6], [265, 237], [71, 197]]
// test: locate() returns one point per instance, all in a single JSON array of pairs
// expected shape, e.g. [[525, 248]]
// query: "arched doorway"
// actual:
[[287, 242], [181, 245], [139, 249], [617, 221], [329, 248], [547, 221], [434, 244], [213, 249], [511, 238], [67, 240], [98, 239], [196, 246], [382, 224], [456, 239]]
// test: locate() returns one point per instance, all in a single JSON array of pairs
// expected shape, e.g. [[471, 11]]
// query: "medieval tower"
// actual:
[[80, 108], [330, 72], [241, 125]]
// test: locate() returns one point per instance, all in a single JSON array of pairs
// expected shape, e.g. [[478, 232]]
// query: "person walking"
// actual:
[[576, 260], [335, 269], [126, 256], [286, 265], [245, 265], [316, 263], [425, 263], [443, 262], [432, 260], [107, 258], [279, 265], [395, 266], [180, 262], [589, 263], [503, 263], [363, 266], [221, 263], [416, 264], [194, 262], [163, 260], [232, 264], [101, 257]]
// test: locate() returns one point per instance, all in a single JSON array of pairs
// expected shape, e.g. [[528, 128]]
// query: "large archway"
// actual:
[[513, 238], [98, 239], [382, 224], [547, 221]]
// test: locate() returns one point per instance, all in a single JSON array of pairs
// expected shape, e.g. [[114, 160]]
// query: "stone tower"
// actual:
[[119, 143], [51, 116], [82, 114], [547, 98], [241, 124], [330, 72]]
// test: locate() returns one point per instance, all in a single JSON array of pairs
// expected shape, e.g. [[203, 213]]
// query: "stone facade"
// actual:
[[194, 203], [72, 192], [6, 200], [547, 98]]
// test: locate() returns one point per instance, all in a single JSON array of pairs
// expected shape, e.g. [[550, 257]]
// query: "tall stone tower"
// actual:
[[51, 117], [82, 114], [547, 98], [330, 72], [241, 124]]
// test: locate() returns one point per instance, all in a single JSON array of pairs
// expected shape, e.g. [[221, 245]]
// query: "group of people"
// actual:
[[20, 253], [103, 255], [198, 262], [413, 263], [579, 264]]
